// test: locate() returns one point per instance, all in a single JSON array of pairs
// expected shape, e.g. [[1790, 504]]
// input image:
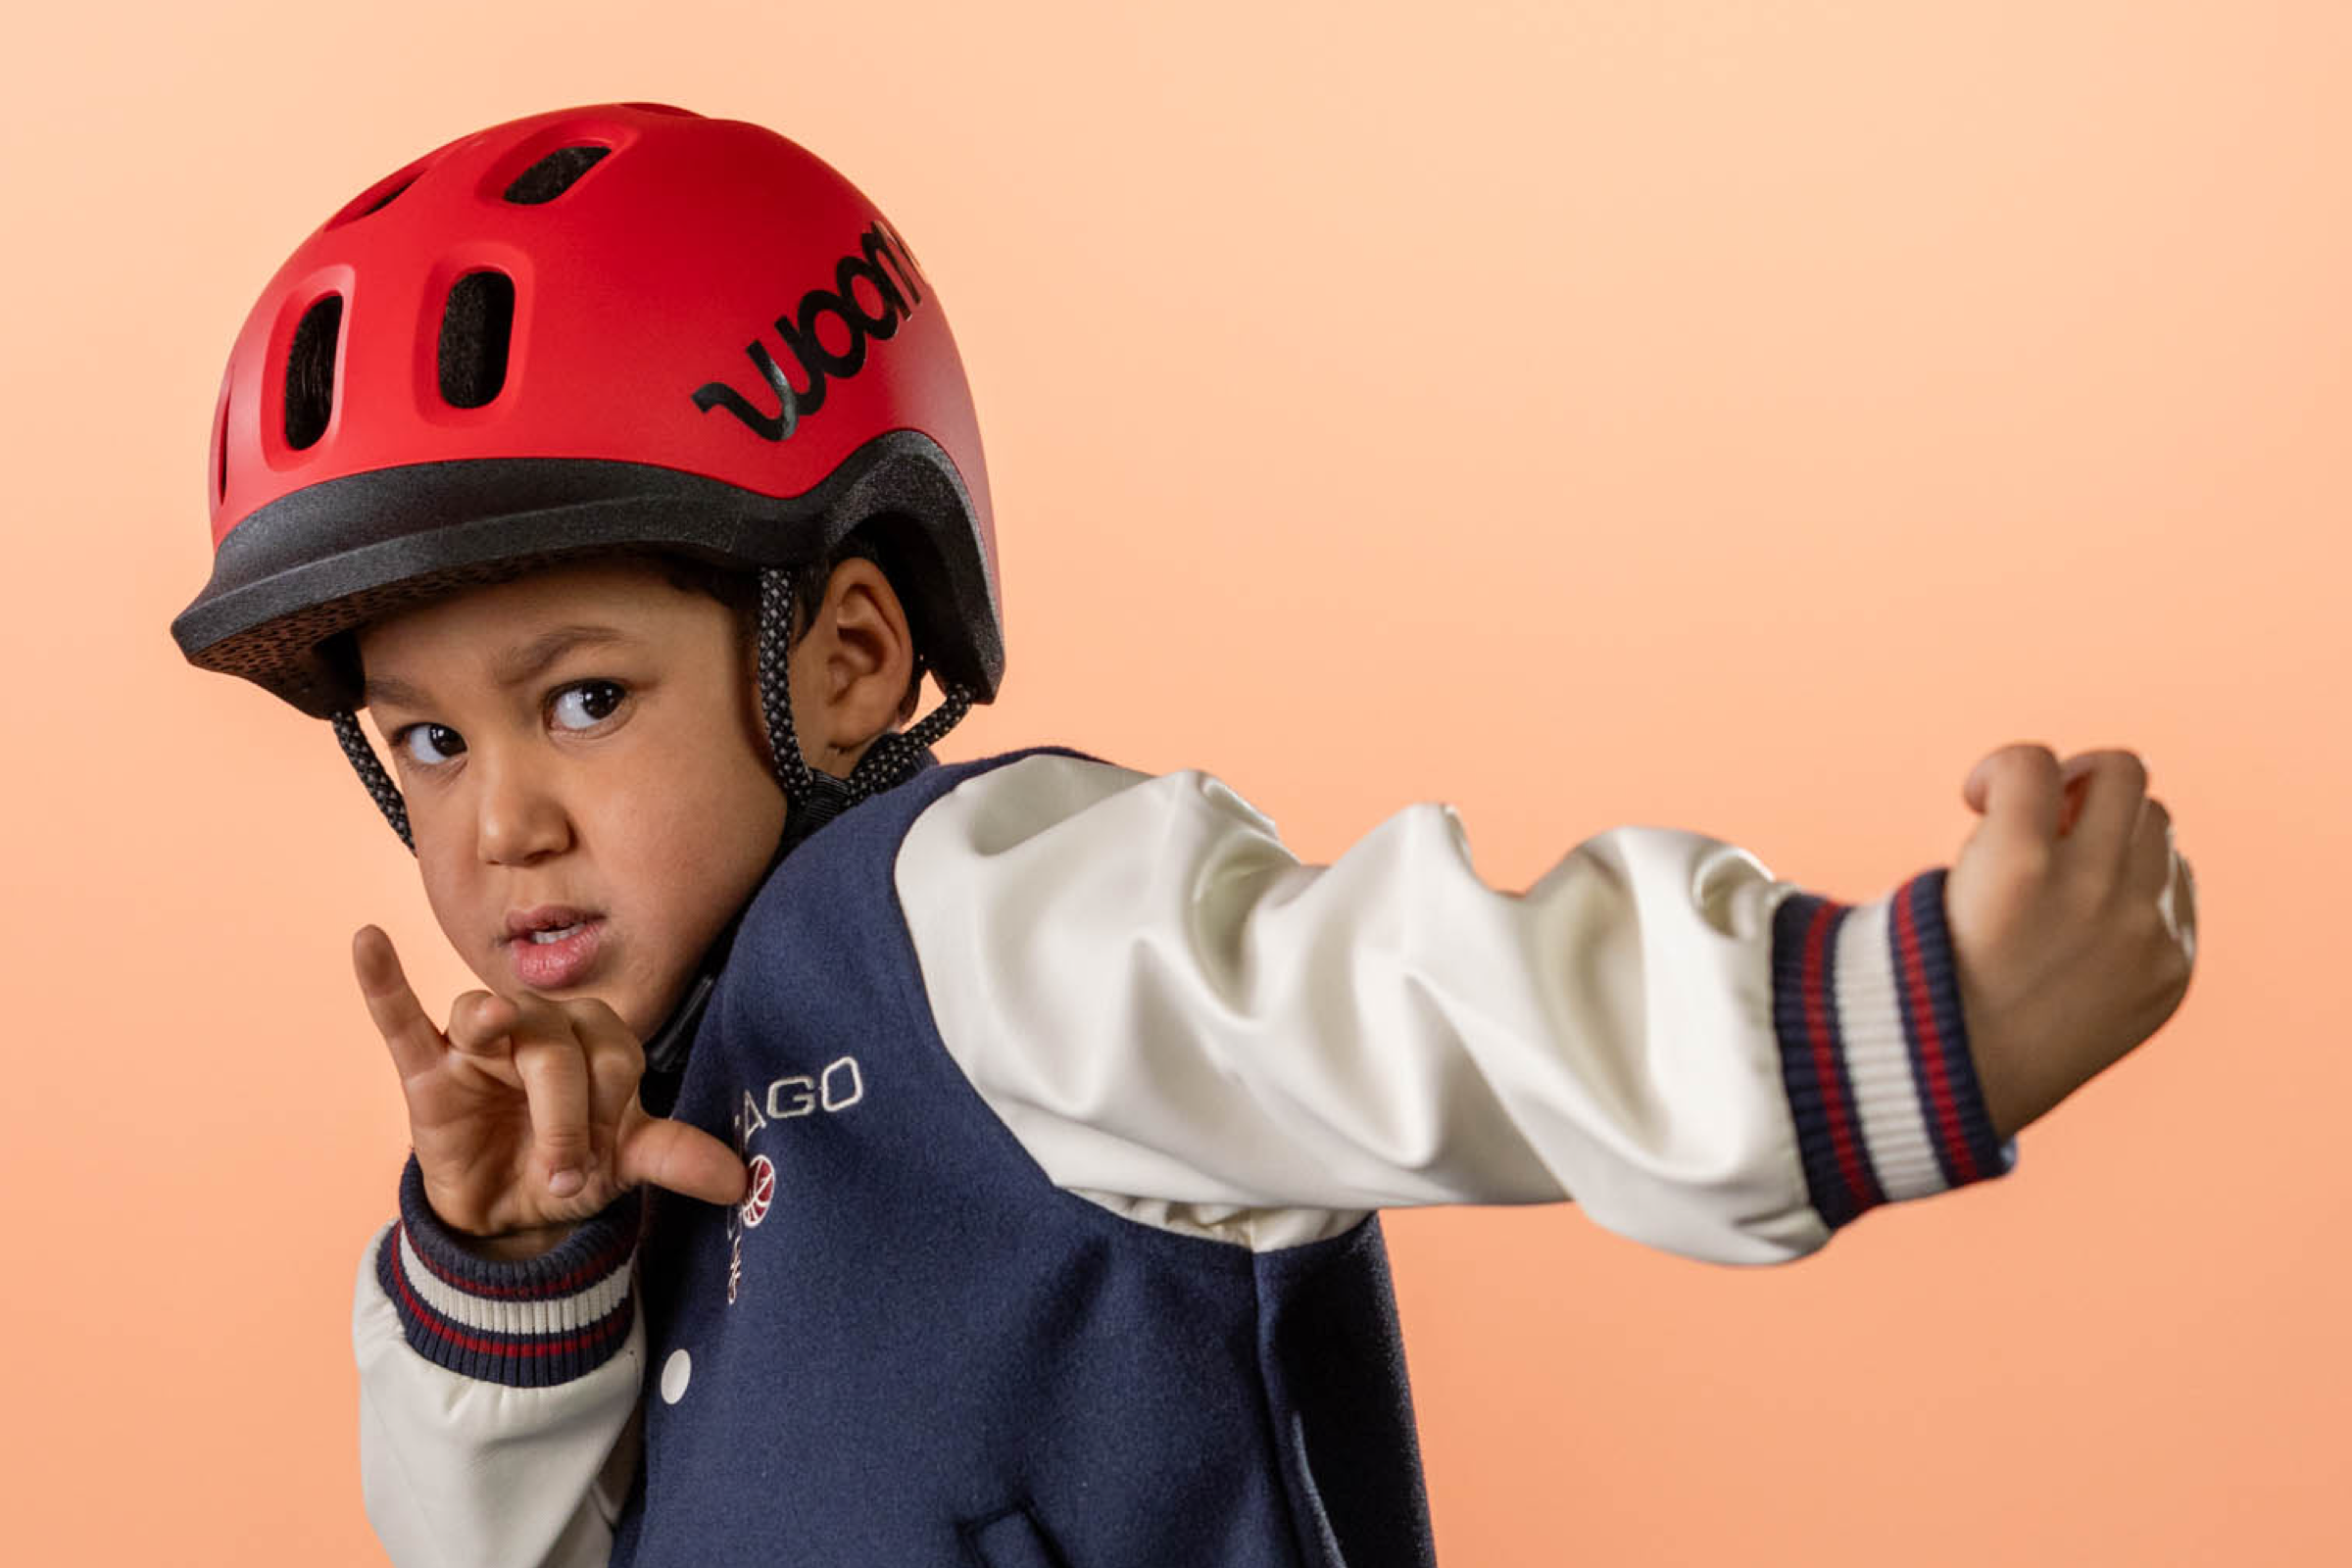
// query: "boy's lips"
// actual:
[[543, 918], [567, 960]]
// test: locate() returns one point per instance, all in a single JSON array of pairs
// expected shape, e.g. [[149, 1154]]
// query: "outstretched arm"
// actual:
[[1168, 1007]]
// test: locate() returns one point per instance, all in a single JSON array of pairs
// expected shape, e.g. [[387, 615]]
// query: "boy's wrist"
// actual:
[[462, 1227], [530, 1320], [510, 1246], [1875, 1051], [503, 1252]]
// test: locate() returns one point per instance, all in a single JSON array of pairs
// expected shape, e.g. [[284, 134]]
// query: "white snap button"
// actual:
[[674, 1373]]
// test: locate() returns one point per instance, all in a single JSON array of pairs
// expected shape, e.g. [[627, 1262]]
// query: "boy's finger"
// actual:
[[616, 1064], [479, 1022], [2070, 804], [2017, 788], [2153, 864], [555, 1080], [494, 1026], [414, 1042], [2115, 783], [677, 1156]]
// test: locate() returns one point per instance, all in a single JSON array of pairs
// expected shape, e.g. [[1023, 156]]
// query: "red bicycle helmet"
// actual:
[[619, 325]]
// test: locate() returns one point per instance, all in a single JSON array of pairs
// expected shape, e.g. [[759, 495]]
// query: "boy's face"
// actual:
[[581, 745]]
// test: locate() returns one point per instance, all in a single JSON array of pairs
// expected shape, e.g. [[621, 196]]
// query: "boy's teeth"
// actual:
[[555, 935]]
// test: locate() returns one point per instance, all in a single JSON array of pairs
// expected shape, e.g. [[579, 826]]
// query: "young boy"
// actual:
[[1015, 1127]]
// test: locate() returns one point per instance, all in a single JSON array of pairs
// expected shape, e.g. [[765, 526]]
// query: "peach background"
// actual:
[[1727, 415]]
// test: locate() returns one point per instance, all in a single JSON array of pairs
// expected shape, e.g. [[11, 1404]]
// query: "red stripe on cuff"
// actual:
[[1933, 1050]]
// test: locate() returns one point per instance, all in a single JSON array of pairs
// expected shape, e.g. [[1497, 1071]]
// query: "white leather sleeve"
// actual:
[[1179, 1020], [461, 1471]]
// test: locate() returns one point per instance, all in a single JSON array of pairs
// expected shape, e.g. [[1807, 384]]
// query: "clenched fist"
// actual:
[[2073, 922], [524, 1113]]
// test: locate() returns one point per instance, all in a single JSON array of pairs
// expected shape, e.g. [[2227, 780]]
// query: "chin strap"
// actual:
[[813, 798], [371, 773]]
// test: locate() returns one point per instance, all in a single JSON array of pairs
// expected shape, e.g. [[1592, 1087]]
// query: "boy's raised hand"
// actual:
[[524, 1113], [2073, 922]]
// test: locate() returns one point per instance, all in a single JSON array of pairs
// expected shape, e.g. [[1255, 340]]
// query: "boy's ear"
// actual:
[[851, 673]]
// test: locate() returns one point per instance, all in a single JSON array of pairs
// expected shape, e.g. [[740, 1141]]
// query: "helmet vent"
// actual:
[[221, 451], [311, 373], [550, 177], [476, 324], [385, 200], [380, 195]]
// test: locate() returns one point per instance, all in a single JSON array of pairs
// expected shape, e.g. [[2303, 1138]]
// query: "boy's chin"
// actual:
[[642, 1008], [626, 1004]]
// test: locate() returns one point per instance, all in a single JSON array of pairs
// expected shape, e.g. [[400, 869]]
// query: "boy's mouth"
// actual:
[[552, 948], [547, 923]]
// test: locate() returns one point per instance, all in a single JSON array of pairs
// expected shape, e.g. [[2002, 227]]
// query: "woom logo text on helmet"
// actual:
[[802, 340]]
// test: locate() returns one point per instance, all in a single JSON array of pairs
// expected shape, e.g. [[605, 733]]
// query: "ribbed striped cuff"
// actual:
[[526, 1323], [1874, 1051]]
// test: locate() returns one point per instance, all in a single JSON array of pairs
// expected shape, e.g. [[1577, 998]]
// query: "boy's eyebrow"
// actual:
[[511, 668]]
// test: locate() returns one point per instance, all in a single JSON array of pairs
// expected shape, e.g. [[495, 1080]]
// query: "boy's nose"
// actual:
[[521, 819]]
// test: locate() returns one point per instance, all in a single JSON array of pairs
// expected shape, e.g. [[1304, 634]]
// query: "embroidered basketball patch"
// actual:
[[762, 1191]]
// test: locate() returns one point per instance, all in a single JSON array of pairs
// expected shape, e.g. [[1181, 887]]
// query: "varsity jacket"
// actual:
[[1069, 1096]]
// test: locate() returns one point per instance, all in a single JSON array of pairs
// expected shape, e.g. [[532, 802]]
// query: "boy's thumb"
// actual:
[[1978, 785], [1972, 788]]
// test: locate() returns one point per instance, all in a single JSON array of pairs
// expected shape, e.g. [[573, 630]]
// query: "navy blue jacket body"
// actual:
[[923, 1353]]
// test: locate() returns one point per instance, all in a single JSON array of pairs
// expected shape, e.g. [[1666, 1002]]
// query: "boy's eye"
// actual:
[[590, 702], [431, 744]]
